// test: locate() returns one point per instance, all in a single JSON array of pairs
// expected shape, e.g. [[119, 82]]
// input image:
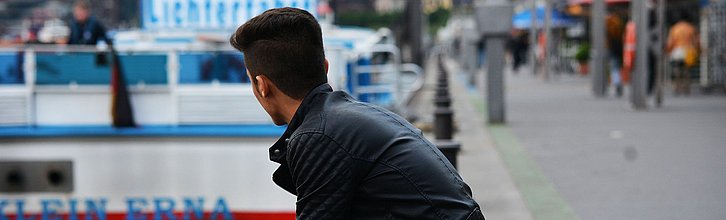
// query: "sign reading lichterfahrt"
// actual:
[[211, 14]]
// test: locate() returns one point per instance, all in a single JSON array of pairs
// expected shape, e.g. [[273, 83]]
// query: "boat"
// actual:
[[200, 147]]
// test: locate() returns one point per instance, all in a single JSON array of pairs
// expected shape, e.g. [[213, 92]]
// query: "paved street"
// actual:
[[610, 162]]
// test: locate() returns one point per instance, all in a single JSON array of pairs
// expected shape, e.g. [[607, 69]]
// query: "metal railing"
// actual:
[[172, 77], [386, 78], [66, 85]]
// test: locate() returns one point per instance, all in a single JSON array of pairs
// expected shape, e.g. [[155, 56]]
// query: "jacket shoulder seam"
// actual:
[[340, 146]]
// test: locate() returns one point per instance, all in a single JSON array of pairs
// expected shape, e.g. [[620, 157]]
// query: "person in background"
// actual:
[[540, 50], [615, 28], [54, 31], [523, 48], [85, 29], [32, 26], [518, 47], [682, 49]]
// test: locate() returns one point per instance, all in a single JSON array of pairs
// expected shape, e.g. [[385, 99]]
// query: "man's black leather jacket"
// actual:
[[345, 159]]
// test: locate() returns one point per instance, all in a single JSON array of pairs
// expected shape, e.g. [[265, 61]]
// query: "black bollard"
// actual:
[[444, 117], [450, 149], [442, 101], [443, 120]]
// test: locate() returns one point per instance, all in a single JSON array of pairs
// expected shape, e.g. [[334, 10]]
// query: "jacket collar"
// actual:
[[277, 151]]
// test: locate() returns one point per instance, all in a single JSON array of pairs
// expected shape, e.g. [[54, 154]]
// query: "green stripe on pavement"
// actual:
[[539, 194]]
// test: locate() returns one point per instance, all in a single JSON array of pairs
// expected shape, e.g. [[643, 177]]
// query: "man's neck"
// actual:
[[289, 109]]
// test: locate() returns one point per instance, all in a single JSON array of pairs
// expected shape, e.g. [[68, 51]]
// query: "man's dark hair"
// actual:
[[286, 45]]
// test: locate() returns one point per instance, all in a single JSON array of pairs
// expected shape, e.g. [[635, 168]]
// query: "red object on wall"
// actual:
[[628, 52]]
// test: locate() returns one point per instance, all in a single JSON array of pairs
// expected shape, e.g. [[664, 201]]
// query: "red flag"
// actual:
[[121, 110]]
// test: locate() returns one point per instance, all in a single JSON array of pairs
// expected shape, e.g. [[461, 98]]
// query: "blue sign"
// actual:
[[211, 14]]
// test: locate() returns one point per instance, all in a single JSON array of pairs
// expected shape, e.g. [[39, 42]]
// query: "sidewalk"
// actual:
[[610, 162], [565, 154], [479, 163]]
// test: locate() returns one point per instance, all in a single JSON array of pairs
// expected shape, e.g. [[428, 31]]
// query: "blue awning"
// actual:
[[523, 19]]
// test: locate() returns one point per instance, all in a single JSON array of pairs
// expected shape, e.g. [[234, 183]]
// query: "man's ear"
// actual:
[[326, 65], [263, 87]]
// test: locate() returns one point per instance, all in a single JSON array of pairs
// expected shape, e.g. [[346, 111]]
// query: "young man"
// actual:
[[343, 159]]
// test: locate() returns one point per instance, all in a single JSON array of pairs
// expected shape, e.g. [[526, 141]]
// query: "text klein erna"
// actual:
[[137, 208]]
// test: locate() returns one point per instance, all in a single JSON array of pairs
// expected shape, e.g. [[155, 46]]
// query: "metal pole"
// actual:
[[639, 86], [547, 69], [533, 37], [415, 23], [661, 55], [598, 53], [495, 79]]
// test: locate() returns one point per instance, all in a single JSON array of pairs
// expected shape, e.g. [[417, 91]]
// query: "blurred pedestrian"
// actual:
[[615, 27], [683, 52], [86, 29], [518, 45], [54, 31], [32, 26], [540, 50]]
